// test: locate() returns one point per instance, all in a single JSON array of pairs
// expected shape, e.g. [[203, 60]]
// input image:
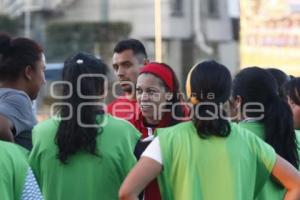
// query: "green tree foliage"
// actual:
[[66, 38]]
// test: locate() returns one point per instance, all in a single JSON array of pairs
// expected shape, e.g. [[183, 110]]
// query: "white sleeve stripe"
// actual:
[[153, 151]]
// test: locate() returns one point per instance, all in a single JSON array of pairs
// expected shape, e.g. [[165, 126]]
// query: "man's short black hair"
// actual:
[[135, 45]]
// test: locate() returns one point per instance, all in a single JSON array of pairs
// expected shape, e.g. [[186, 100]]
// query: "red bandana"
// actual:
[[161, 71]]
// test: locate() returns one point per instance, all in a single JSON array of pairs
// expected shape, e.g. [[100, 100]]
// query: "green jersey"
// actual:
[[272, 190], [85, 176], [16, 179], [234, 167]]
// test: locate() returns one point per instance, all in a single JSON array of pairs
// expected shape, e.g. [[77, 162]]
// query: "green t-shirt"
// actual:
[[85, 176], [13, 171], [235, 167], [272, 190]]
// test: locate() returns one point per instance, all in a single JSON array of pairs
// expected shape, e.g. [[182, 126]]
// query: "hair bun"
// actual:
[[5, 40]]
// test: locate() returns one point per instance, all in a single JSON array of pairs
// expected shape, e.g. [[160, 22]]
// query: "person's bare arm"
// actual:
[[289, 177], [5, 129], [139, 177]]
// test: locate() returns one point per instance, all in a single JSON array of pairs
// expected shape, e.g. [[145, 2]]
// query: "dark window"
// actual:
[[213, 9], [177, 7], [235, 28]]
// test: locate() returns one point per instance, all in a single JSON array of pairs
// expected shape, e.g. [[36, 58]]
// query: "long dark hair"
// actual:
[[255, 84], [210, 83], [281, 79], [71, 135]]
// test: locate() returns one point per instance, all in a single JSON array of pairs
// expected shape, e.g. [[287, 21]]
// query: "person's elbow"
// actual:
[[5, 130], [125, 194]]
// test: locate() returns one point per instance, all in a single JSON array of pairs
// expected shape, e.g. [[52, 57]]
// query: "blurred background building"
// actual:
[[192, 30], [237, 33]]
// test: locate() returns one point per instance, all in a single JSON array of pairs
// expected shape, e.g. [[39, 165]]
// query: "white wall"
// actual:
[[141, 14], [229, 55], [219, 29]]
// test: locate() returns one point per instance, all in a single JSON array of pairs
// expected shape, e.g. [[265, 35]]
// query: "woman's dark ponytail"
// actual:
[[72, 135], [256, 85], [215, 126], [210, 85], [279, 130]]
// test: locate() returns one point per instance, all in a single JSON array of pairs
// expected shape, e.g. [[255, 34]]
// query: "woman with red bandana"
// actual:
[[160, 101]]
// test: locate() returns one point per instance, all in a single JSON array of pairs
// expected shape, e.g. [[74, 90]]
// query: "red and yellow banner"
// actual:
[[270, 34]]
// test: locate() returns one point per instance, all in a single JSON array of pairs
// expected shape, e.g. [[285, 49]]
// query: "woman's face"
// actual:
[[233, 108], [37, 77], [151, 96]]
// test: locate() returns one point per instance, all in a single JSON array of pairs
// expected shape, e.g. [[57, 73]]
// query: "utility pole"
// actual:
[[104, 10], [157, 24], [27, 18]]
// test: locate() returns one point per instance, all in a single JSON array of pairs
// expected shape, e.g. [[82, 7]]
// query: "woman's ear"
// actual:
[[146, 61], [235, 108], [236, 102], [291, 102]]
